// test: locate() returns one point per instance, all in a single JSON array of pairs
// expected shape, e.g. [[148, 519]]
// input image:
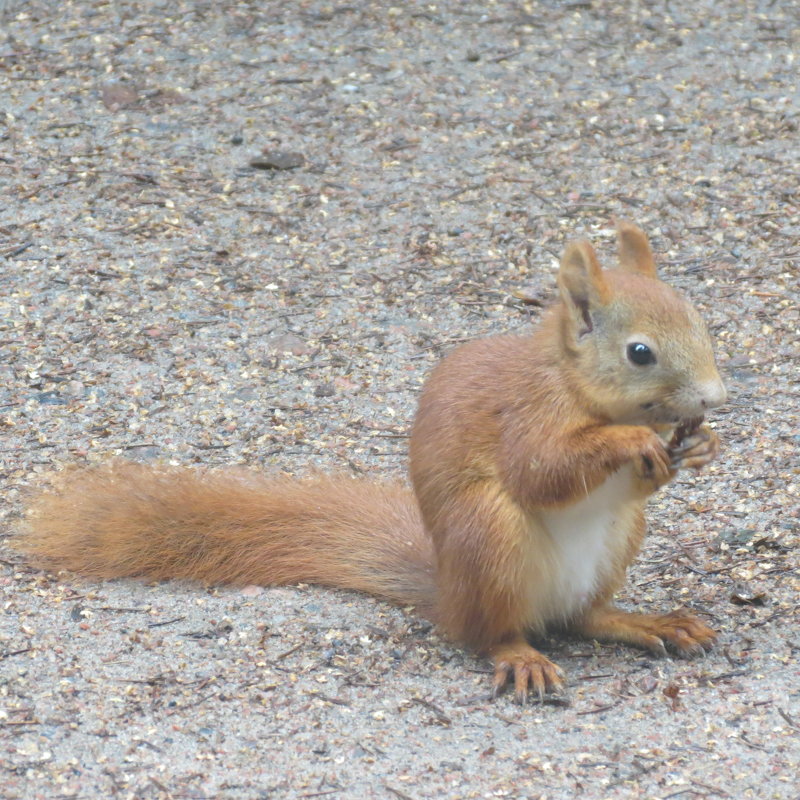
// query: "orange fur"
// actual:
[[234, 526]]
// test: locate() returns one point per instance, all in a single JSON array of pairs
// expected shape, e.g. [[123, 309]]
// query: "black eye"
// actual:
[[640, 354]]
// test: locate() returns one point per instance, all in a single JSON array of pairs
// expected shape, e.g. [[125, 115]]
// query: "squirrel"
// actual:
[[531, 460]]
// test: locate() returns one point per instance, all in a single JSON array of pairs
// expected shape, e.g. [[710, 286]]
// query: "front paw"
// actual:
[[696, 450], [652, 461]]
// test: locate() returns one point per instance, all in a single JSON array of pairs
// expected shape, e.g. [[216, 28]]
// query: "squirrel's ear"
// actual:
[[582, 285], [634, 250]]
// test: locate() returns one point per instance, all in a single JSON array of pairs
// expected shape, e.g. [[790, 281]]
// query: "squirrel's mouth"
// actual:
[[659, 414]]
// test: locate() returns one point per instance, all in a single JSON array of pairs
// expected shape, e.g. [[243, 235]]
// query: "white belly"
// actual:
[[585, 537]]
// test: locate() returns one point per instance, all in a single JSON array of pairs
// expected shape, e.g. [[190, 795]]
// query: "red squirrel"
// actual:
[[532, 458]]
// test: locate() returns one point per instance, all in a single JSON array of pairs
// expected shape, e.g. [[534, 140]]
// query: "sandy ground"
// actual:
[[418, 168]]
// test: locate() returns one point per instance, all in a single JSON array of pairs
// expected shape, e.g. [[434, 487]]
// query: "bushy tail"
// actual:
[[234, 526]]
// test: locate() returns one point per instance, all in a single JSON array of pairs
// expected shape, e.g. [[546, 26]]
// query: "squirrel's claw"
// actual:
[[682, 632], [695, 451], [687, 634], [652, 459], [531, 671]]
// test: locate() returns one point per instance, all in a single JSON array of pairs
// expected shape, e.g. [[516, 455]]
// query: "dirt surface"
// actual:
[[244, 233]]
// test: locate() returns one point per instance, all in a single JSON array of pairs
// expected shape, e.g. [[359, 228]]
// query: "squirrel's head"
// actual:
[[640, 352]]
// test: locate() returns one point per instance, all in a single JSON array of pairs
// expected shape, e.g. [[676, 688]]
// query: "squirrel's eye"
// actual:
[[640, 354]]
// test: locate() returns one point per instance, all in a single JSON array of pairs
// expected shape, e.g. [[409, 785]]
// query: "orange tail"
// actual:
[[234, 526]]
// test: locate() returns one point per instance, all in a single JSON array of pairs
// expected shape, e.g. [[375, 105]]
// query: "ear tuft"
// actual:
[[634, 250], [582, 285]]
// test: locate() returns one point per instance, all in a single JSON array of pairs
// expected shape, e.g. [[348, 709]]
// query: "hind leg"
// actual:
[[680, 631]]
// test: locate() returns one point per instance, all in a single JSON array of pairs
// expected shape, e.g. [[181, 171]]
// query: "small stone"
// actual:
[[117, 96], [325, 390], [278, 159], [289, 343]]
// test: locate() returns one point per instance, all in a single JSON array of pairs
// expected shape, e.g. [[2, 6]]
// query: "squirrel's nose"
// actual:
[[713, 393]]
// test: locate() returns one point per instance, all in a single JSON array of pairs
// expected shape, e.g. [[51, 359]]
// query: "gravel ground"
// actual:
[[240, 232]]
